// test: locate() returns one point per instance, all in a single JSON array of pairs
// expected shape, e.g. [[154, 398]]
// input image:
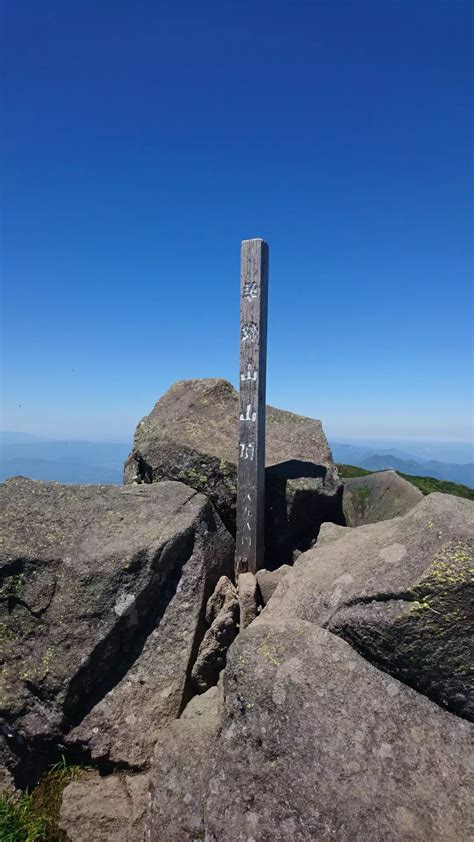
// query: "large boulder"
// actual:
[[191, 435], [401, 592], [313, 738], [311, 742], [378, 496], [102, 604]]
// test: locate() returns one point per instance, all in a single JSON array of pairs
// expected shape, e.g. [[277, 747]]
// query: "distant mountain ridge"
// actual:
[[102, 462], [363, 457]]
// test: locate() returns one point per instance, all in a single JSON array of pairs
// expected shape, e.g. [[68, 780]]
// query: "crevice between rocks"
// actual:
[[202, 626], [369, 599]]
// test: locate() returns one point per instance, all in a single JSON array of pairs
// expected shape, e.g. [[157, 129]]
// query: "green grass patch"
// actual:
[[352, 471], [34, 816]]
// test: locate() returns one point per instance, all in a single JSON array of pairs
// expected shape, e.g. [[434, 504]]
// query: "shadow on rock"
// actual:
[[297, 502]]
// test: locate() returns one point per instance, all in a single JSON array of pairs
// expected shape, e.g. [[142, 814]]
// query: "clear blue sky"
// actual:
[[144, 140]]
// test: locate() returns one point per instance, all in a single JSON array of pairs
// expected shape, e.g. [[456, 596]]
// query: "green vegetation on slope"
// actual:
[[34, 816], [352, 471], [429, 484], [425, 484]]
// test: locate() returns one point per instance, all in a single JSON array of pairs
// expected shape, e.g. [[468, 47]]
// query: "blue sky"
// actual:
[[144, 140]]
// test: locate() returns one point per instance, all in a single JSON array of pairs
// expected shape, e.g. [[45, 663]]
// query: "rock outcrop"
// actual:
[[326, 700], [102, 602], [401, 592], [191, 436], [312, 742], [379, 496], [311, 739]]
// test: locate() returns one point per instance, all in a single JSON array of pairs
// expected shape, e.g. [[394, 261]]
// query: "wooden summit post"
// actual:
[[253, 363]]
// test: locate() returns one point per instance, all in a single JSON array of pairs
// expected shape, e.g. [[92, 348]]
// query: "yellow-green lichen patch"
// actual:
[[270, 651], [451, 567], [426, 638], [433, 638], [194, 479]]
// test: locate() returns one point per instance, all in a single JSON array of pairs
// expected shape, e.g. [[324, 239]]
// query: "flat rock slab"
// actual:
[[115, 808], [102, 608], [182, 768], [313, 743], [379, 496], [106, 809], [401, 591], [191, 435]]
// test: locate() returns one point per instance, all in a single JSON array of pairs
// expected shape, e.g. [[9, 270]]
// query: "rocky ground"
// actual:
[[330, 698]]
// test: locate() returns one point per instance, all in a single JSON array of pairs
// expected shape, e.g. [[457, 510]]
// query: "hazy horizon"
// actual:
[[447, 450]]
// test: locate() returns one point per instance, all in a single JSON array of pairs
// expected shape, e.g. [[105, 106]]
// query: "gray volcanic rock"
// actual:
[[248, 598], [224, 593], [401, 592], [313, 743], [102, 603], [329, 532], [103, 809], [268, 580], [191, 435], [222, 612], [7, 783], [377, 497], [182, 771]]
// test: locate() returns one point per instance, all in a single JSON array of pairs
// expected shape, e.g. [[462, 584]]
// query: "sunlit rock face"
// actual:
[[191, 435], [104, 590]]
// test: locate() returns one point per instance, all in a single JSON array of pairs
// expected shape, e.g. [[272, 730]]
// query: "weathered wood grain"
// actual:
[[253, 357]]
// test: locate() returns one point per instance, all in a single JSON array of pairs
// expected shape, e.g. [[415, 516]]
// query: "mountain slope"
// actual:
[[426, 484], [365, 457]]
